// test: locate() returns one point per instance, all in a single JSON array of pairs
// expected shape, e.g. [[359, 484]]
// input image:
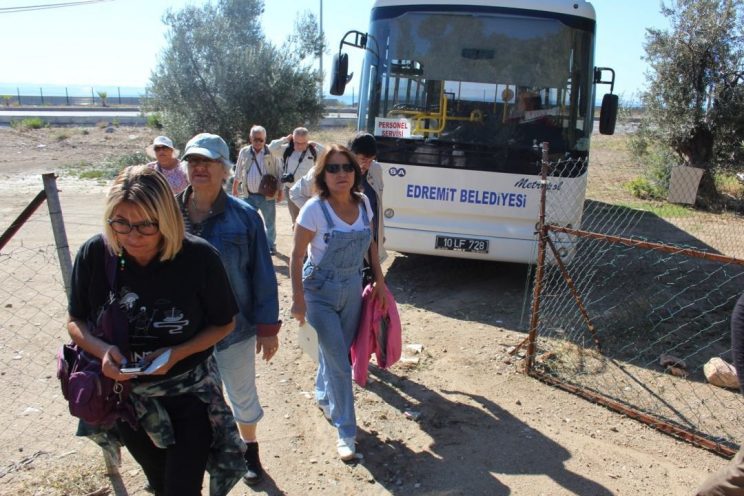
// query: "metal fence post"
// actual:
[[18, 92], [542, 236], [65, 262], [58, 227], [41, 94]]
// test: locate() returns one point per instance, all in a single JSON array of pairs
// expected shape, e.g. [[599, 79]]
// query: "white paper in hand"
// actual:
[[158, 363], [308, 340]]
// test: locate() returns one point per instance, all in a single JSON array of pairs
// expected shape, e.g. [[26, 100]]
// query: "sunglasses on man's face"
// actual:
[[335, 168], [160, 148]]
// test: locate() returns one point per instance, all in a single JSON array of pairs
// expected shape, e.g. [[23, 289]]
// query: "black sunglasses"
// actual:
[[335, 168], [161, 147]]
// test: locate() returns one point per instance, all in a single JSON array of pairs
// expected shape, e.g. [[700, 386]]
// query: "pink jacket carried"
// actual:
[[385, 341]]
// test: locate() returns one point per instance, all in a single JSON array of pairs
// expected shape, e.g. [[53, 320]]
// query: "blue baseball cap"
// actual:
[[208, 145]]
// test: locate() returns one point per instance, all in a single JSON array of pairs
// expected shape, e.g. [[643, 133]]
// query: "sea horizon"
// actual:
[[71, 90]]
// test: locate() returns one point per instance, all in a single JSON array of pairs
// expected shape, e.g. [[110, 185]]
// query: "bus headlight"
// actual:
[[389, 213]]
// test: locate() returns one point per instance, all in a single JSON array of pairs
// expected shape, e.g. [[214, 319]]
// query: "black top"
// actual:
[[167, 303], [737, 339], [370, 193]]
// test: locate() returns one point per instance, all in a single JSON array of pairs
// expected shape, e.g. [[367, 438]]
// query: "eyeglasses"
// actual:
[[145, 228], [194, 160], [260, 140], [160, 148], [336, 168]]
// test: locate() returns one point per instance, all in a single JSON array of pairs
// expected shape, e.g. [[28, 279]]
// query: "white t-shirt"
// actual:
[[311, 218]]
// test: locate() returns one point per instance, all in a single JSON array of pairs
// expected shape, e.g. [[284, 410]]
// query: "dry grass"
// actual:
[[74, 474]]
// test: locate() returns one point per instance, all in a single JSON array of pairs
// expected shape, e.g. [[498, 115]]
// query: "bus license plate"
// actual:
[[461, 244]]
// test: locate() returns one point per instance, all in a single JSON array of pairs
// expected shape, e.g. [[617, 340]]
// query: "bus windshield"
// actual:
[[477, 91]]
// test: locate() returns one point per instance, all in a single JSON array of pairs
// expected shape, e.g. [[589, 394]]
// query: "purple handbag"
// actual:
[[91, 396]]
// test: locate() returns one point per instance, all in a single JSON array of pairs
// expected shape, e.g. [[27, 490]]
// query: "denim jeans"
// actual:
[[334, 312], [268, 212]]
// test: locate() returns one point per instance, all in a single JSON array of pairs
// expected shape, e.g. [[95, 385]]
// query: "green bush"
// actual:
[[103, 96], [640, 187], [728, 184], [29, 123], [61, 136], [137, 158], [109, 168], [656, 160], [638, 145], [153, 121]]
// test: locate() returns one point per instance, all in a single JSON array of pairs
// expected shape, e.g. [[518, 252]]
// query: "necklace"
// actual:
[[196, 207]]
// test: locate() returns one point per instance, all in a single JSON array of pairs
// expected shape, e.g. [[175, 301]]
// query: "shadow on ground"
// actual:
[[474, 441]]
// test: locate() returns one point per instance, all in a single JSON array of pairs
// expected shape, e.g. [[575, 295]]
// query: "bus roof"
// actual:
[[579, 8]]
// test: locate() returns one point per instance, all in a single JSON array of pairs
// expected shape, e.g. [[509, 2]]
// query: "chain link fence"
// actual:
[[37, 433], [628, 309]]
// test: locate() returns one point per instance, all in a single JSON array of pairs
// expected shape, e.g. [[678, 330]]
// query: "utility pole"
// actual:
[[320, 55]]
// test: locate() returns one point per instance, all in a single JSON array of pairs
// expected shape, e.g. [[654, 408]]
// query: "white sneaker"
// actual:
[[346, 447]]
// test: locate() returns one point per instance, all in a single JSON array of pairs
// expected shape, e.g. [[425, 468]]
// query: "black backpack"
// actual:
[[290, 150]]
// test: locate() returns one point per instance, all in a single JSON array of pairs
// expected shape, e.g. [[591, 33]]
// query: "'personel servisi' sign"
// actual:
[[398, 127]]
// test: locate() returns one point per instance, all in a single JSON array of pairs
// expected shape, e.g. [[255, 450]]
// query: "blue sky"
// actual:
[[117, 42]]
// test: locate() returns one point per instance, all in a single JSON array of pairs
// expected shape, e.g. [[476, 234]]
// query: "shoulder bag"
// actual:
[[91, 396], [269, 184]]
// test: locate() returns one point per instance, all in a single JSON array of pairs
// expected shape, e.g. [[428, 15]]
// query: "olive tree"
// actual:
[[695, 98], [219, 74]]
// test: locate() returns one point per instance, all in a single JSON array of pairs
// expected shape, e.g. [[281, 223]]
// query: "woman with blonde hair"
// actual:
[[177, 302]]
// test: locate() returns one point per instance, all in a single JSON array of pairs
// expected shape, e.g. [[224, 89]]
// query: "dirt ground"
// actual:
[[456, 418]]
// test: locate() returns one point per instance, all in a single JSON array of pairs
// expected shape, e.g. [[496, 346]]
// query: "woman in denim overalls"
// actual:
[[335, 225]]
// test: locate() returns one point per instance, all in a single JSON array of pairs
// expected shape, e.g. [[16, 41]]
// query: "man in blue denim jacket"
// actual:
[[236, 230]]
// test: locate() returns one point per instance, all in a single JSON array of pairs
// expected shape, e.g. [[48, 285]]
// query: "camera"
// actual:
[[287, 177]]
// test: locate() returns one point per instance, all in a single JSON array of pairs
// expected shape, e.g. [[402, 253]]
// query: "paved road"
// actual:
[[22, 114], [126, 117]]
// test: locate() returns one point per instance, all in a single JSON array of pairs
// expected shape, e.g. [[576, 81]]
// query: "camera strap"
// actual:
[[254, 160], [299, 161]]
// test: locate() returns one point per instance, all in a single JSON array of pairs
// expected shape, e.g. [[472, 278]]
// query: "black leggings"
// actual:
[[177, 469]]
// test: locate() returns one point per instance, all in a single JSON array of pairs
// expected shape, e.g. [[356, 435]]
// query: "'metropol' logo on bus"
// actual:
[[400, 172], [526, 183]]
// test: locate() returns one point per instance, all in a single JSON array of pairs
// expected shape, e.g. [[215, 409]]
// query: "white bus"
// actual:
[[459, 95]]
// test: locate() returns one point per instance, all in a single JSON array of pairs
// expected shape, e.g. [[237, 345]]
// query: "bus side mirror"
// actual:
[[340, 73], [608, 114]]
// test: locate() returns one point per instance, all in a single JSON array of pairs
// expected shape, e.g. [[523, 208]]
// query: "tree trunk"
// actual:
[[698, 152]]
